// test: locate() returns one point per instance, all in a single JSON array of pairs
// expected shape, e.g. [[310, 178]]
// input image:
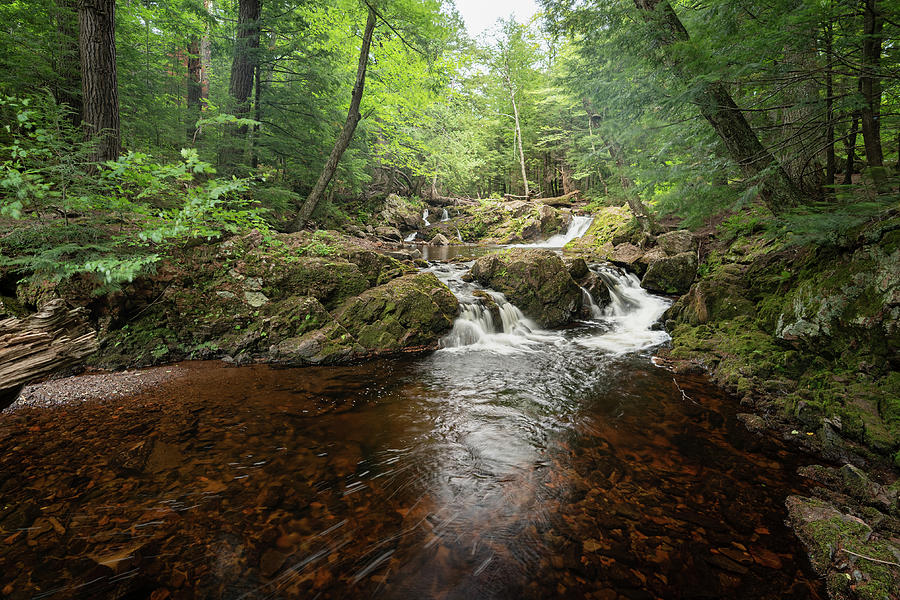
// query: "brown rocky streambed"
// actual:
[[554, 469]]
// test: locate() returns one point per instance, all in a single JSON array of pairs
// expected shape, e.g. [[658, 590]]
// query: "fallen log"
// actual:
[[561, 200], [53, 339]]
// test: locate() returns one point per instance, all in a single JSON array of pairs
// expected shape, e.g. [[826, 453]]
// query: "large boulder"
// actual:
[[402, 214], [535, 280], [713, 300], [676, 242], [439, 240], [628, 256], [407, 314], [671, 275]]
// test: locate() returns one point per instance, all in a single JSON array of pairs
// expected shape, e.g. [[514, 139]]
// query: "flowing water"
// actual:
[[577, 228], [513, 463]]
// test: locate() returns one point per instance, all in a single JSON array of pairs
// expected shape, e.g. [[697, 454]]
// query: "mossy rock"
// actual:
[[535, 280], [846, 547], [671, 274]]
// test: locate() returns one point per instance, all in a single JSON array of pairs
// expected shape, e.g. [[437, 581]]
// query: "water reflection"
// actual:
[[563, 473]]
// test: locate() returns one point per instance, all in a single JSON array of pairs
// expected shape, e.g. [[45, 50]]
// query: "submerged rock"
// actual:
[[535, 280]]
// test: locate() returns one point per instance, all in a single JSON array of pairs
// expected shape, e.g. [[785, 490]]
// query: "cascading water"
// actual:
[[577, 228], [425, 218], [411, 236], [445, 216], [632, 314], [488, 321]]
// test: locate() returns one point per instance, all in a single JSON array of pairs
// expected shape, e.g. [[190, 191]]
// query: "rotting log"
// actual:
[[53, 339], [562, 200]]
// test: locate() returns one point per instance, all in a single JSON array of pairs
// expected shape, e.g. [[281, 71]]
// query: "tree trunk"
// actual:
[[830, 159], [512, 97], [194, 89], [243, 69], [205, 58], [99, 82], [719, 109], [68, 60], [640, 212], [346, 135], [870, 84], [851, 150]]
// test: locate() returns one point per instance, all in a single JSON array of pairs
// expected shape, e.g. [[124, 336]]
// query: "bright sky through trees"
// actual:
[[480, 15]]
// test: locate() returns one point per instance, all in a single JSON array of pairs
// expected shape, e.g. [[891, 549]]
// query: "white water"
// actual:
[[632, 313], [411, 236], [458, 234], [425, 218], [577, 228], [445, 216], [624, 326]]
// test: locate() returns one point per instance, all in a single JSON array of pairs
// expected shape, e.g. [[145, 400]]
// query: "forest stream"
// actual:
[[513, 463]]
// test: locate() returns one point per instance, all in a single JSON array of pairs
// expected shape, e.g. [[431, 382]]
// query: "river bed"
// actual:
[[514, 463]]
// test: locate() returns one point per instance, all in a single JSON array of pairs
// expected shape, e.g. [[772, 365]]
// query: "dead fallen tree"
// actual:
[[53, 339], [561, 200]]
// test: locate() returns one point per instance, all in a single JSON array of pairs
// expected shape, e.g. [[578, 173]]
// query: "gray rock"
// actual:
[[255, 299], [439, 240], [390, 234], [671, 275], [676, 242]]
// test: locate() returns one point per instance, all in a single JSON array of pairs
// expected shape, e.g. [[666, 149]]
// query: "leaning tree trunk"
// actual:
[[243, 70], [346, 135], [99, 81], [870, 85], [638, 209], [719, 109]]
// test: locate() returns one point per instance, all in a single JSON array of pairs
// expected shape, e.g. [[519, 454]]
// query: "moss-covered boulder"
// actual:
[[243, 297], [857, 561], [508, 222], [535, 280], [671, 274], [407, 314], [402, 213], [676, 242], [717, 300]]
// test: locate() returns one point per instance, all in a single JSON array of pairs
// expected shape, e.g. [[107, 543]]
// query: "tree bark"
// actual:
[[99, 81], [205, 58], [346, 135], [194, 89], [830, 158], [719, 109], [870, 85], [68, 60], [851, 150], [243, 69]]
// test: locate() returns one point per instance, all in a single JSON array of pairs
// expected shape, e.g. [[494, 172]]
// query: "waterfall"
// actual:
[[425, 218], [487, 320], [588, 300], [632, 314], [445, 216], [577, 228], [411, 236], [458, 234]]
